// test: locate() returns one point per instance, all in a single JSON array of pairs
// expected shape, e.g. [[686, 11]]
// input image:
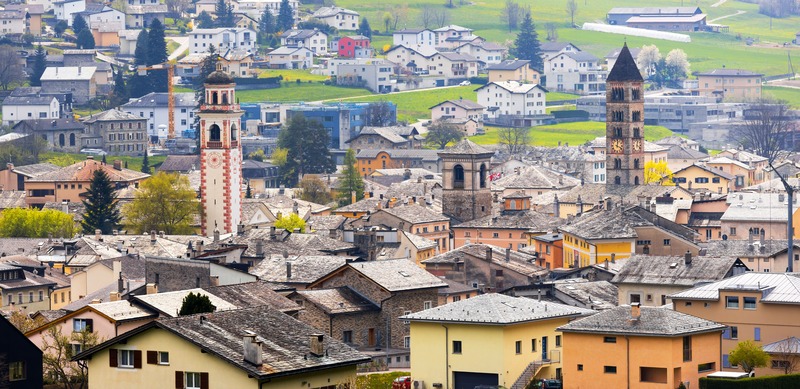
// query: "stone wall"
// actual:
[[175, 274]]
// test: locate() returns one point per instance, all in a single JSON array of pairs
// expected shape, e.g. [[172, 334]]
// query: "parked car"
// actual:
[[548, 384], [403, 382], [465, 83]]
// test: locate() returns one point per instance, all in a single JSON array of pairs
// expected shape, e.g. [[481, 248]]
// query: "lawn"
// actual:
[[568, 133], [790, 95], [289, 92], [172, 46], [134, 163], [292, 75], [378, 380]]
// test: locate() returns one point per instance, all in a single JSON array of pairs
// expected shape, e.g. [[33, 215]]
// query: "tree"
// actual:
[[157, 54], [35, 223], [657, 172], [387, 20], [176, 8], [204, 20], [318, 25], [257, 155], [79, 24], [248, 194], [399, 14], [139, 85], [572, 10], [350, 182], [224, 12], [364, 28], [285, 16], [101, 205], [677, 64], [11, 74], [120, 94], [291, 222], [146, 163], [196, 303], [526, 46], [786, 356], [441, 16], [307, 142], [426, 16], [57, 352], [266, 25], [39, 66], [441, 133], [552, 32], [380, 114], [515, 140], [279, 156], [648, 59], [313, 189], [165, 202], [748, 355], [23, 322], [511, 12], [60, 27]]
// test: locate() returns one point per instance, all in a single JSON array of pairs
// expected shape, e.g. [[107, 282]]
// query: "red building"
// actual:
[[348, 44]]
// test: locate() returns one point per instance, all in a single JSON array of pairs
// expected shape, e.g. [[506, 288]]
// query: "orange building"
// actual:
[[639, 347], [367, 161], [417, 220], [549, 250]]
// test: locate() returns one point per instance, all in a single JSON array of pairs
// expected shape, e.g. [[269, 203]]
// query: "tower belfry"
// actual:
[[624, 122]]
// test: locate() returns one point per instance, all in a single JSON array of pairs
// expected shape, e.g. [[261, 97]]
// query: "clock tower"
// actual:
[[624, 122], [220, 156]]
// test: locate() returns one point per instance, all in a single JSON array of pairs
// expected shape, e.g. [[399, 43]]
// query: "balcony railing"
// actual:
[[214, 144]]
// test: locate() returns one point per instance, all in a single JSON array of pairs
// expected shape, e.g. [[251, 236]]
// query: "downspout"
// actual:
[[628, 361], [446, 357]]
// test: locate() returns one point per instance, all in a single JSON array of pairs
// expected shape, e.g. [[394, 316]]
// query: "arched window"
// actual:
[[617, 163], [483, 176], [636, 163], [215, 134], [636, 180], [214, 98], [458, 176], [617, 180], [61, 141], [72, 139], [636, 133], [234, 131], [618, 132]]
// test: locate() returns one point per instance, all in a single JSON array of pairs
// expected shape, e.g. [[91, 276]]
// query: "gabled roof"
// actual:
[[625, 69], [511, 64], [35, 169], [28, 100], [555, 46], [180, 163], [529, 220], [339, 300], [305, 268], [518, 262], [452, 27], [285, 50], [672, 270], [326, 12], [706, 168], [300, 34], [680, 152], [727, 72], [497, 309], [253, 294], [466, 147], [112, 115], [461, 103], [394, 275], [84, 170], [774, 288], [790, 345], [581, 56], [513, 86], [76, 73], [535, 177], [661, 322], [620, 223], [415, 214], [66, 124], [388, 133], [156, 100], [169, 303]]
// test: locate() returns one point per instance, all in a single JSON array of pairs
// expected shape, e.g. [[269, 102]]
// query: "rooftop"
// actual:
[[535, 177], [511, 64], [672, 270], [69, 73], [169, 303], [725, 72], [466, 147], [625, 69], [305, 268], [774, 287], [652, 322], [415, 214], [339, 300], [397, 275]]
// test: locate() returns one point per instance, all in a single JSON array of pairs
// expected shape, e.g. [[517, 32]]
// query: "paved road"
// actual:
[[183, 41], [727, 16]]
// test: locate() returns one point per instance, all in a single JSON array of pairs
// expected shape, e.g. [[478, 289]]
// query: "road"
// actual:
[[183, 41]]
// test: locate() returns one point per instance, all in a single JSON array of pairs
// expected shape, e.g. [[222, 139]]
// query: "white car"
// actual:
[[465, 83]]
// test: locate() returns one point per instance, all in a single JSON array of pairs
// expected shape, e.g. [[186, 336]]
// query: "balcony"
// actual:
[[214, 144]]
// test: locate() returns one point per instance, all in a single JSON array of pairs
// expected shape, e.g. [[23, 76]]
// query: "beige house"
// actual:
[[730, 84], [417, 220], [513, 70]]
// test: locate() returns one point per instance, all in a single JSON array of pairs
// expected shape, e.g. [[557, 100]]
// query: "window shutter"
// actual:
[[179, 380], [726, 334], [137, 359], [89, 325], [152, 357], [203, 380], [112, 357], [725, 362], [757, 336]]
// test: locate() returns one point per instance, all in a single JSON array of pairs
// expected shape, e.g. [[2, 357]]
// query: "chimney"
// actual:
[[114, 296], [508, 253], [152, 236], [687, 258], [488, 253], [556, 211], [272, 233], [252, 349], [120, 284], [160, 234], [636, 311], [98, 235], [296, 208], [117, 164], [288, 270], [259, 247], [152, 288], [216, 235], [282, 190], [316, 345], [761, 239], [579, 206], [95, 301], [605, 264], [119, 245], [10, 166]]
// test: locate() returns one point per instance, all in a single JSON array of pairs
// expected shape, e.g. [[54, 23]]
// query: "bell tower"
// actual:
[[220, 156], [466, 193], [624, 122]]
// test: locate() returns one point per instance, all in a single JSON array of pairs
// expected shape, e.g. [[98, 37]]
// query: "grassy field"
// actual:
[[378, 380], [790, 95], [290, 91], [572, 133], [64, 159], [291, 75]]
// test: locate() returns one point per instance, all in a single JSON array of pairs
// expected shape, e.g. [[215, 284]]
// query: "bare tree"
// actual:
[[515, 139], [572, 10], [380, 114], [441, 133], [57, 352], [510, 14], [11, 73], [787, 356], [552, 32], [399, 14], [441, 17], [426, 17], [176, 8]]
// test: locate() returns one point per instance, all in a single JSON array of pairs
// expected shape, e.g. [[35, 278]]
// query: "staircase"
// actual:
[[528, 374]]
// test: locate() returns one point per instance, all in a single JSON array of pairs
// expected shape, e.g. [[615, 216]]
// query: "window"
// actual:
[[653, 374], [192, 380], [498, 273], [610, 369], [776, 364], [710, 366], [609, 339], [636, 298], [580, 367], [427, 305], [518, 347], [407, 341], [347, 337], [558, 340], [732, 302], [163, 358], [126, 358], [687, 348], [456, 347], [533, 345], [16, 371], [749, 303], [79, 325]]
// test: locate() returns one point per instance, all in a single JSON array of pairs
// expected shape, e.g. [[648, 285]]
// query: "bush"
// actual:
[[479, 80], [788, 381]]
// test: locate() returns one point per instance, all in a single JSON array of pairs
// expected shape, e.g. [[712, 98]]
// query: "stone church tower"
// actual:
[[466, 192], [624, 122], [220, 156]]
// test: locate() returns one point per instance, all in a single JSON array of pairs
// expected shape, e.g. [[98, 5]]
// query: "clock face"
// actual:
[[637, 145], [616, 146], [214, 160]]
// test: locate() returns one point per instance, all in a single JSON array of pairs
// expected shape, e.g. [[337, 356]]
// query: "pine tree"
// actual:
[[39, 65], [146, 163], [308, 143], [79, 24], [285, 16], [139, 85], [104, 159], [249, 193], [157, 54], [364, 28], [120, 94], [85, 40], [100, 203], [266, 25], [196, 303], [204, 20], [526, 46], [351, 180]]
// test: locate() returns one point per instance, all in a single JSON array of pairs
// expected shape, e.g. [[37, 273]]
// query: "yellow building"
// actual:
[[247, 348], [513, 70], [490, 339], [730, 84], [703, 177], [639, 347]]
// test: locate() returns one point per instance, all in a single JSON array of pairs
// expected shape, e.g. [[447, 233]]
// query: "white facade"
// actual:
[[488, 53], [107, 20], [65, 10], [17, 108], [222, 39], [314, 40], [340, 18], [375, 76], [290, 58], [414, 38], [575, 72], [452, 65], [512, 98], [154, 107], [332, 65], [12, 22], [456, 35]]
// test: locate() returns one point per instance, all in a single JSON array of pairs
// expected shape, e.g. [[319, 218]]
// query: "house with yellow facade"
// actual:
[[730, 84], [700, 176], [639, 347], [513, 70], [491, 339], [248, 348]]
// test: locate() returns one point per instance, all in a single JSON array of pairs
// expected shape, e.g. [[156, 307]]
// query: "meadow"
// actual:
[[134, 163], [567, 133]]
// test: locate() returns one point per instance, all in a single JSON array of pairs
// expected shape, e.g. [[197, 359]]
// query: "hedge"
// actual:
[[789, 381]]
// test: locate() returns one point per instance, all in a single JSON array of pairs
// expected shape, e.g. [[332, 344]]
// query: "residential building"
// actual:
[[417, 220], [369, 160], [620, 15], [222, 349], [12, 22], [375, 75], [66, 9], [522, 104], [348, 44], [759, 307], [385, 138], [455, 291], [743, 173], [153, 106], [411, 59], [20, 360], [758, 164], [518, 70], [97, 15], [260, 175], [337, 17], [730, 84], [314, 40], [551, 49], [679, 158], [588, 196], [532, 180], [23, 290], [62, 135], [575, 71], [13, 178], [699, 176], [490, 339], [452, 65], [414, 38], [140, 13], [81, 81], [286, 57], [238, 63], [549, 249], [223, 39], [255, 8], [485, 52], [127, 42], [759, 255], [32, 16], [611, 58], [750, 215], [633, 346], [465, 190], [100, 274], [452, 36], [17, 108], [117, 132], [459, 109]]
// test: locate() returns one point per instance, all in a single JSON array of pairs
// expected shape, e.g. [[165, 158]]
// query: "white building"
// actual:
[[108, 19], [340, 18], [254, 8], [16, 108], [486, 52], [222, 38], [66, 9], [452, 65], [154, 107], [12, 22], [415, 38], [290, 58], [332, 64], [375, 76], [578, 72], [453, 36], [512, 98], [47, 5], [314, 40]]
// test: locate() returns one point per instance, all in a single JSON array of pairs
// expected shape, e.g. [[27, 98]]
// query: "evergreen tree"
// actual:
[[307, 143], [526, 46], [285, 16], [364, 28], [85, 40], [157, 54], [39, 65], [104, 159], [351, 180], [249, 193], [120, 94], [60, 27], [146, 163], [196, 303], [266, 25], [204, 20], [79, 24], [100, 203], [139, 85]]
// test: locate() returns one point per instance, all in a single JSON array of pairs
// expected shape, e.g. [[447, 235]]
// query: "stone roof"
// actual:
[[180, 163], [103, 294], [50, 125], [742, 248], [169, 303], [326, 12], [291, 243], [35, 169], [364, 205], [84, 170], [681, 152], [702, 166], [455, 287], [12, 199], [51, 314], [253, 294], [414, 188], [420, 242], [653, 321], [122, 310], [498, 309], [422, 154], [599, 295], [774, 287], [305, 268], [466, 147], [535, 177], [630, 194], [219, 78], [339, 300], [155, 99], [672, 270], [524, 219], [518, 262], [675, 140], [625, 69], [619, 223], [415, 214], [329, 222], [387, 133], [511, 64], [757, 207], [727, 72], [397, 275], [29, 280]]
